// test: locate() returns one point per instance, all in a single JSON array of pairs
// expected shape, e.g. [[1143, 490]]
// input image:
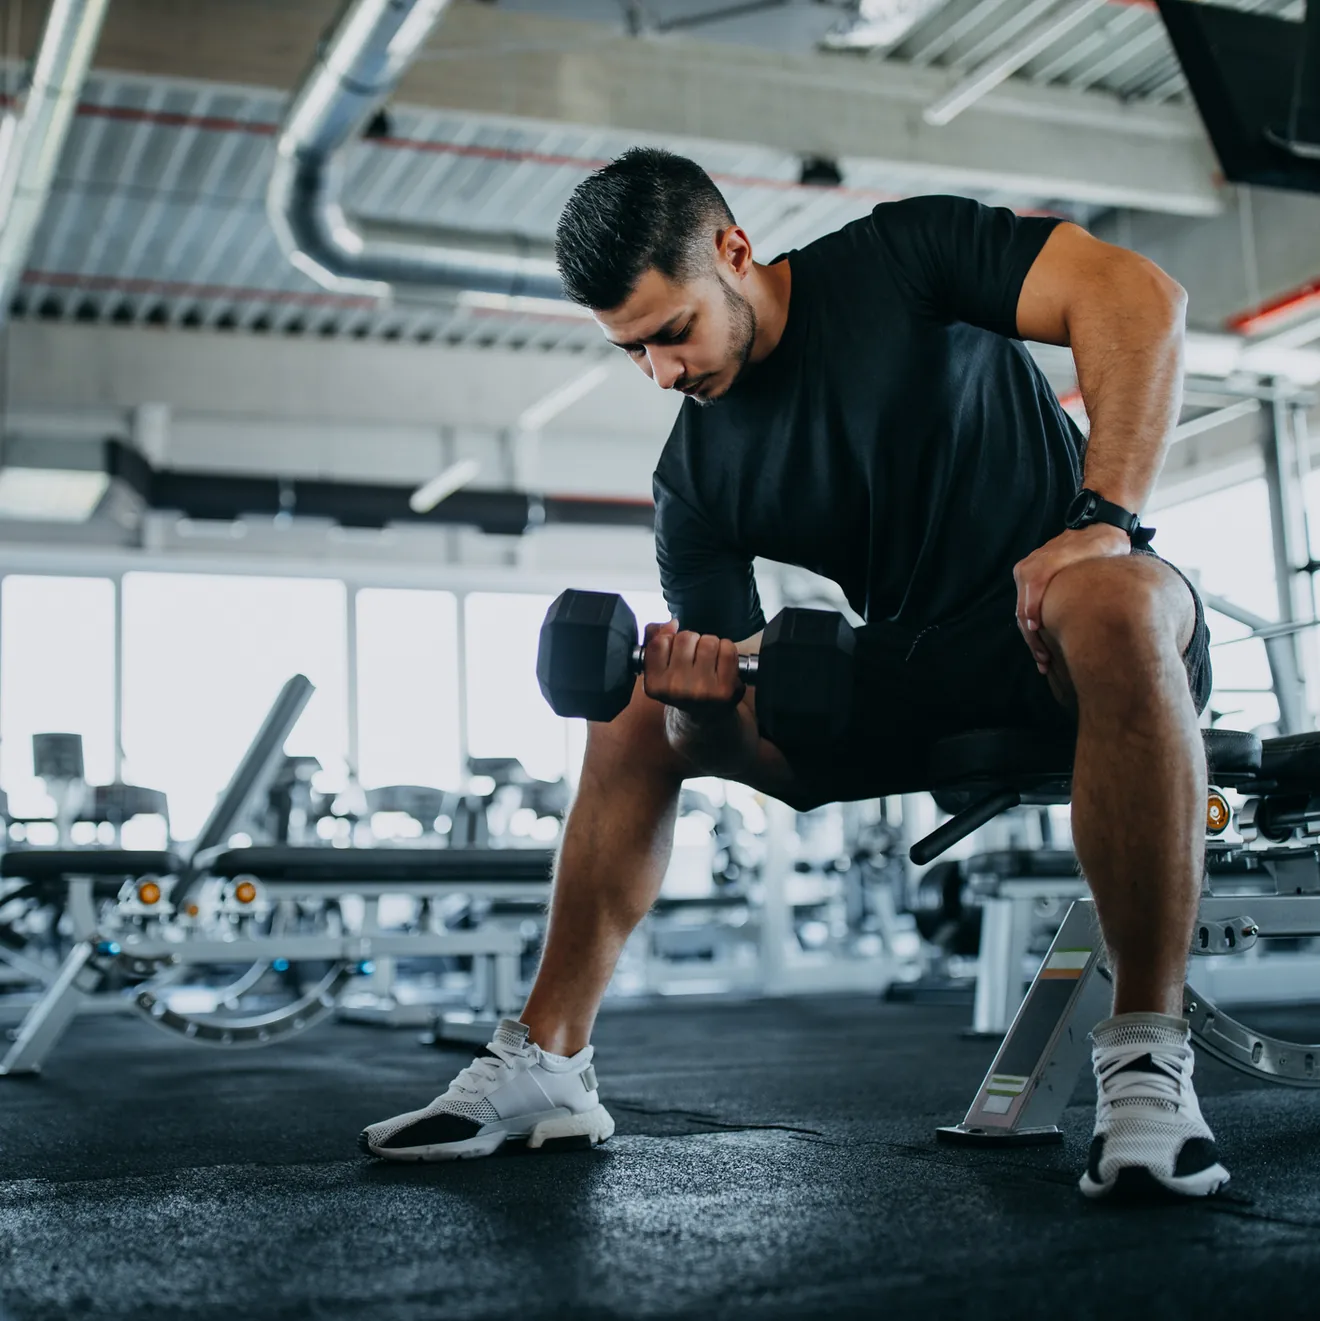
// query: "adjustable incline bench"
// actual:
[[154, 915], [1266, 886], [93, 878]]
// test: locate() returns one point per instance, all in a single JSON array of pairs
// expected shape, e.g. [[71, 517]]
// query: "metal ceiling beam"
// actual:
[[1005, 63], [1040, 142]]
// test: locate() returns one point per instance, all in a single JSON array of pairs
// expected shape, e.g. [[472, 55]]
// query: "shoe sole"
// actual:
[[1136, 1183], [554, 1132]]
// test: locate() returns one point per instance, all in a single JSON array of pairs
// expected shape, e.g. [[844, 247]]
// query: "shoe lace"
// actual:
[[483, 1072], [1119, 1085]]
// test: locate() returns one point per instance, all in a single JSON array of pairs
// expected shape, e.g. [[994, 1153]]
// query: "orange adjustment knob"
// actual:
[[193, 910], [245, 892], [149, 892], [1217, 813]]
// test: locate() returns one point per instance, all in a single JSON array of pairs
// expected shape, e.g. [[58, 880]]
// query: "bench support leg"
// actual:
[[47, 1019], [1035, 1070]]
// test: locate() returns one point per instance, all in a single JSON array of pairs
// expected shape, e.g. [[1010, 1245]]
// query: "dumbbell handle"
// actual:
[[747, 665]]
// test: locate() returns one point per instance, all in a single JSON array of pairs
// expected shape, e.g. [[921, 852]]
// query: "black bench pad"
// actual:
[[1293, 760], [54, 864], [303, 865], [1005, 756]]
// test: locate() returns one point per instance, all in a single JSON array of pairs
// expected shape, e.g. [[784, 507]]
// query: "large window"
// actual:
[[407, 643], [1223, 541], [204, 657], [507, 715], [56, 676], [1240, 568]]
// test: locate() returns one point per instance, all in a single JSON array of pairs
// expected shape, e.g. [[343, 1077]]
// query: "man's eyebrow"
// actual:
[[663, 333]]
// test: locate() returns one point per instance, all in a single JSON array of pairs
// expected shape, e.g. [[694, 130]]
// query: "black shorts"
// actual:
[[974, 672]]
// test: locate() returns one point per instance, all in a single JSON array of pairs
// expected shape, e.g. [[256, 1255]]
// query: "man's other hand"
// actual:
[[1033, 575]]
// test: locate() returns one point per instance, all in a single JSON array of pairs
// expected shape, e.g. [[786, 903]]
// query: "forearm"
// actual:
[[1128, 345], [723, 741]]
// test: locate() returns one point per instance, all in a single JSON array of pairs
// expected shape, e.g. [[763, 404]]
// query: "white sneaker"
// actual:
[[1149, 1132], [513, 1093]]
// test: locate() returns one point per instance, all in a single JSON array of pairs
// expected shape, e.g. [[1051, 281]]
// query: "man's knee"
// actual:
[[1115, 620]]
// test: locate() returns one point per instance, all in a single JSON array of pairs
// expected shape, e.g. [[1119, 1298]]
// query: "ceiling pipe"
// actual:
[[226, 497], [358, 66], [32, 134]]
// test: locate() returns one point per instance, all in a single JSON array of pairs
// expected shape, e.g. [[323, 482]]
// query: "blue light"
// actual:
[[280, 965], [366, 967]]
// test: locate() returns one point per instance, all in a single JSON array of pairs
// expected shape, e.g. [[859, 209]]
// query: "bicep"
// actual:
[[1070, 257], [1076, 270]]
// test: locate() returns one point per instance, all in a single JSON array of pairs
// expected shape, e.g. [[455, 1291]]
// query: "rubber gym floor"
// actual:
[[772, 1159]]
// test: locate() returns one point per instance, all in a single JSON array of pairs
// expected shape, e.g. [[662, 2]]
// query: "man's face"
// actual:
[[695, 338]]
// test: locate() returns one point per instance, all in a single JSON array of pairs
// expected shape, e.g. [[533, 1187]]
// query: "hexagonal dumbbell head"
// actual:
[[584, 663], [804, 683]]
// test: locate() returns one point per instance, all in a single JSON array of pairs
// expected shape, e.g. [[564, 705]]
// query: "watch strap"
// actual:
[[1106, 511]]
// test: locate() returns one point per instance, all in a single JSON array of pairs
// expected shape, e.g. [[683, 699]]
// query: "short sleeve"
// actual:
[[958, 259], [709, 586]]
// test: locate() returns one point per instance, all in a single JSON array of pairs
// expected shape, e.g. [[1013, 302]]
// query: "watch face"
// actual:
[[1082, 508]]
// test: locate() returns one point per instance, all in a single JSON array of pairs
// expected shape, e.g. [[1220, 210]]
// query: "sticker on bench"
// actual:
[[1066, 963], [1003, 1089]]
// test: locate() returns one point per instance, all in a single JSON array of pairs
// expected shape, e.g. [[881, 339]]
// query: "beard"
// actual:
[[742, 336]]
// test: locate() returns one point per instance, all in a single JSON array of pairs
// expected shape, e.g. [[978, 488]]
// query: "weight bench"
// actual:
[[984, 772], [1250, 893], [88, 877], [79, 879], [518, 875]]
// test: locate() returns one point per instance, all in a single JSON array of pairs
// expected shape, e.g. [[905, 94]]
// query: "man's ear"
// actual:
[[734, 249]]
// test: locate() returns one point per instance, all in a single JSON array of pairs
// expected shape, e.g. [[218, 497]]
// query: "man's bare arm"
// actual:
[[1123, 319]]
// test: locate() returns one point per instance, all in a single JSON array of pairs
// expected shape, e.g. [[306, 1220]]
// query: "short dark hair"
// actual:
[[649, 209]]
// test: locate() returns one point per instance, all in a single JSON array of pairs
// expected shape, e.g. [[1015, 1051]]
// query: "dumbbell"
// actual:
[[589, 657]]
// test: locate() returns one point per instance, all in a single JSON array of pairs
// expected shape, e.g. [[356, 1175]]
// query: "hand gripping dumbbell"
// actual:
[[590, 656]]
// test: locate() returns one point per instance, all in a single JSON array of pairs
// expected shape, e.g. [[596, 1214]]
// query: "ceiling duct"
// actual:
[[358, 65], [32, 134], [67, 481]]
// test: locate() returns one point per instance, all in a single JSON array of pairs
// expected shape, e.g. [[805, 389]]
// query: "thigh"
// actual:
[[913, 687]]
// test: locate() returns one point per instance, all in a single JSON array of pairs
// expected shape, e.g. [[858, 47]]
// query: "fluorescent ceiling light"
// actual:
[[535, 416], [555, 307], [443, 485], [51, 495]]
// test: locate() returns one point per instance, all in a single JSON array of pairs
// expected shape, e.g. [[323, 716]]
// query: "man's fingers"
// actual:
[[652, 632], [1030, 598], [727, 668], [659, 642], [1028, 617], [683, 648]]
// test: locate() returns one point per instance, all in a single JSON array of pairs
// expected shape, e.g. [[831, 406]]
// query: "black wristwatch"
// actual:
[[1090, 507]]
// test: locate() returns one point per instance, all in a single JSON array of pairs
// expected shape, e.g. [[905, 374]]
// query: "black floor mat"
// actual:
[[772, 1159]]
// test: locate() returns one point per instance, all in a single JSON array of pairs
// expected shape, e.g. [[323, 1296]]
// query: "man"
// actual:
[[864, 407]]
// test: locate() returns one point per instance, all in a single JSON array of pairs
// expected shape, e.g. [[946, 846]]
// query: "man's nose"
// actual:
[[666, 370]]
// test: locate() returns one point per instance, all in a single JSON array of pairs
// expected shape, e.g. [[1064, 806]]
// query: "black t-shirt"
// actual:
[[899, 439]]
